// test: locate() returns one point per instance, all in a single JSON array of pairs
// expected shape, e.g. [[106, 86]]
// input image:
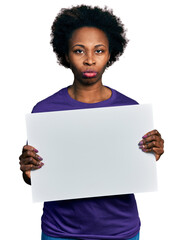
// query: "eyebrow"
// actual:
[[80, 45]]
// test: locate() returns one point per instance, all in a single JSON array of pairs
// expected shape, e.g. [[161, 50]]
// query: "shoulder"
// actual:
[[49, 103], [122, 99]]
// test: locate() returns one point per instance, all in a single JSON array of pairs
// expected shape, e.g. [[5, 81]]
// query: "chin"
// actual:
[[90, 82]]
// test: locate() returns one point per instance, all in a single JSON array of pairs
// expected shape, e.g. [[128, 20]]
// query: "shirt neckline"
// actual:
[[78, 103]]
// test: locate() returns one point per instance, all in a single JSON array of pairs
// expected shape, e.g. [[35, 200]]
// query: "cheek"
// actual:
[[102, 63], [104, 59], [76, 62], [75, 69]]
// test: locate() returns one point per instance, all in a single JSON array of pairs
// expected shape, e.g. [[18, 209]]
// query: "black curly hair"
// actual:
[[70, 19]]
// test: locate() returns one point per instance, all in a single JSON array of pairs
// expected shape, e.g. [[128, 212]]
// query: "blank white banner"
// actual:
[[91, 152]]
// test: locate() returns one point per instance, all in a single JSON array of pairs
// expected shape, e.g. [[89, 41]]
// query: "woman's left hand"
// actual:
[[152, 142]]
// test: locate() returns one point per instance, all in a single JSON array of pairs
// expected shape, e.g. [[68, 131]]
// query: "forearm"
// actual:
[[26, 179]]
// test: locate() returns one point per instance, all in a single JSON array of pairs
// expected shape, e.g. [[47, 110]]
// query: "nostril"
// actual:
[[89, 61]]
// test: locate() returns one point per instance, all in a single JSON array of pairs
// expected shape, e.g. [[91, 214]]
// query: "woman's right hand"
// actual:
[[29, 160]]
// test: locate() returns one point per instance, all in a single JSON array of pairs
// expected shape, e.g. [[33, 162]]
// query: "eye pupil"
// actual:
[[78, 51], [99, 51]]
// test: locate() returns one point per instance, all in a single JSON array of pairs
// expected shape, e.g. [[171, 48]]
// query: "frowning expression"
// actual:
[[88, 54]]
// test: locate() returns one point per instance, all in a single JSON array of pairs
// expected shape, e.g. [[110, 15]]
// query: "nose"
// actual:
[[89, 59]]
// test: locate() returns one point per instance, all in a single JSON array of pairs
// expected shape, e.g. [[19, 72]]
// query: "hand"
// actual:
[[29, 160], [152, 142]]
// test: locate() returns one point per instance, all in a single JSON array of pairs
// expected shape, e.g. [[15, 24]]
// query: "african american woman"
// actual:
[[88, 40]]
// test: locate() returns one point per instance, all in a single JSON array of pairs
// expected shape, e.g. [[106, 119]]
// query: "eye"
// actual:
[[78, 51], [99, 51]]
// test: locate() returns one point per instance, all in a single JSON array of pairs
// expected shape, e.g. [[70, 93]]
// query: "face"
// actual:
[[88, 54]]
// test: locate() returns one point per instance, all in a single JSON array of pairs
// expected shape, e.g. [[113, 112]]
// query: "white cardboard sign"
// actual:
[[91, 152]]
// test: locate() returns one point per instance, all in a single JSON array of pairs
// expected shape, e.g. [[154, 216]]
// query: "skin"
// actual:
[[88, 50]]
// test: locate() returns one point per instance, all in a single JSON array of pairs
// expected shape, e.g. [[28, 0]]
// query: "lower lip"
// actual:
[[89, 74]]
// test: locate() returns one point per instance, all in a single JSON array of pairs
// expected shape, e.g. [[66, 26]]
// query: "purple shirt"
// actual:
[[111, 217]]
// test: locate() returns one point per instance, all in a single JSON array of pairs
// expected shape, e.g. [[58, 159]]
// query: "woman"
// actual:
[[88, 40]]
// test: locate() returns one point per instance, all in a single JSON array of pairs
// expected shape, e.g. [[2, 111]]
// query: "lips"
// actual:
[[89, 74]]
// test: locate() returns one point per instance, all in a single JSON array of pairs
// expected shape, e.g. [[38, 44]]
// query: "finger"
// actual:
[[153, 132], [29, 148], [30, 154], [147, 150], [150, 139], [30, 167], [157, 145], [157, 151], [150, 145], [29, 160]]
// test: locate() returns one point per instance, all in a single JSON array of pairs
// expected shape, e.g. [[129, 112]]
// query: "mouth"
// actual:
[[89, 74]]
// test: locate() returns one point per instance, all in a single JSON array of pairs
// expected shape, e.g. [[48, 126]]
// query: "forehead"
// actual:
[[89, 35]]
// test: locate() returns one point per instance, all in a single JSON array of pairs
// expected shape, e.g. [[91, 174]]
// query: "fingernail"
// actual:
[[145, 136], [40, 158], [142, 147], [140, 143], [35, 150], [40, 165]]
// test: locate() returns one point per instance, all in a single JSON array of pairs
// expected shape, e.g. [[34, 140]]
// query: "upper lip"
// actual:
[[89, 71]]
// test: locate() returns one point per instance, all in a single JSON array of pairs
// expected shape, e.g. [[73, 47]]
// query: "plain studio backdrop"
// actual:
[[149, 72]]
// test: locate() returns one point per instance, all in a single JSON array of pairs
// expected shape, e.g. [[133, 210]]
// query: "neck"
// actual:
[[89, 93]]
